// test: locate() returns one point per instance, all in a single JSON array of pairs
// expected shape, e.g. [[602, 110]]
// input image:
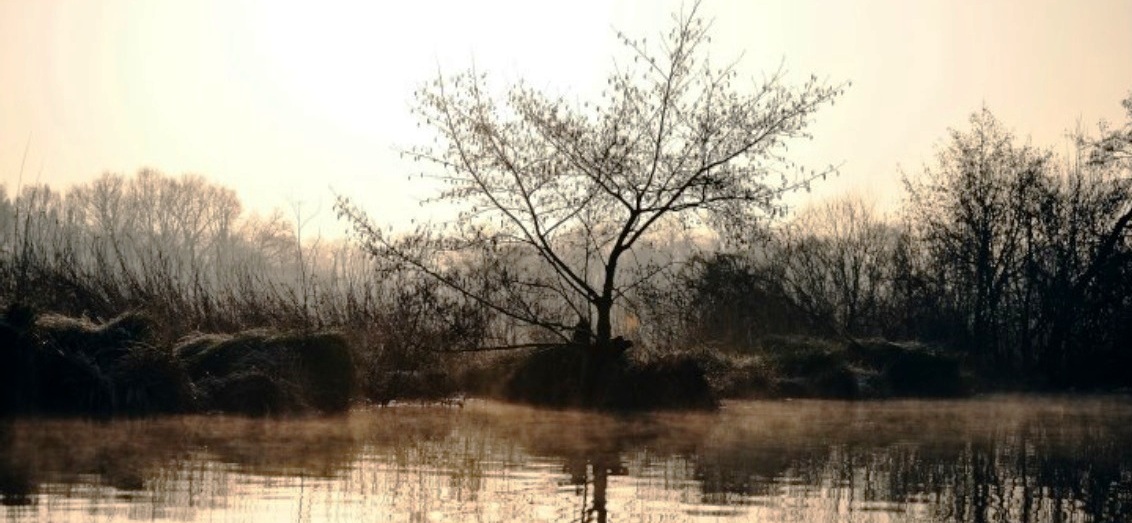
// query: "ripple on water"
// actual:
[[1010, 458]]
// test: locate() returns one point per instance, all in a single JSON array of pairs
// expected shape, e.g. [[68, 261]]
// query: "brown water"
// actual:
[[991, 459]]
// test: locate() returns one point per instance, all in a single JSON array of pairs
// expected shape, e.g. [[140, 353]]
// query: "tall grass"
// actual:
[[184, 251]]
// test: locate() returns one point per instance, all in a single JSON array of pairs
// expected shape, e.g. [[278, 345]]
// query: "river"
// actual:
[[996, 458]]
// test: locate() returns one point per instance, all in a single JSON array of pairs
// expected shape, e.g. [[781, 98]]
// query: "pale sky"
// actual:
[[288, 102]]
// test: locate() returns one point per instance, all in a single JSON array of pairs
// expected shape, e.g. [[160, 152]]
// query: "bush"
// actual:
[[250, 392], [550, 377], [383, 387], [572, 376], [64, 365], [924, 374], [266, 372], [74, 366], [149, 380], [105, 344], [734, 375], [17, 361], [797, 366]]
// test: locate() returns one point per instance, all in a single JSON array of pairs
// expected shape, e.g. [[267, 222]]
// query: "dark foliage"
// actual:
[[60, 365], [17, 383], [250, 392], [805, 367], [580, 377], [64, 365], [382, 387], [912, 370], [110, 368], [264, 372]]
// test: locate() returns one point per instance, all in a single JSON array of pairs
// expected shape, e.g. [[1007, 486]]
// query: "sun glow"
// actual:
[[287, 101], [332, 65], [341, 64]]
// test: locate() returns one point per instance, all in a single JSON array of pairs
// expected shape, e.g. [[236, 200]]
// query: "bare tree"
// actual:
[[972, 213], [568, 193], [837, 261]]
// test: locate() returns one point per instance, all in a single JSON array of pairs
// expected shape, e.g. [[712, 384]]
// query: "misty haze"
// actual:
[[697, 261]]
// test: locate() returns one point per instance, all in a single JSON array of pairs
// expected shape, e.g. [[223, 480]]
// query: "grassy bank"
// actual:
[[773, 367], [59, 365], [572, 376], [805, 367], [129, 366]]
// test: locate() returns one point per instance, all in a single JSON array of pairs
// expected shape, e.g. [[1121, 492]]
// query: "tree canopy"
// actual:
[[556, 198]]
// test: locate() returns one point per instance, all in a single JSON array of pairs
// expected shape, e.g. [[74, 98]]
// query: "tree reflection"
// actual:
[[1027, 461], [16, 485], [1016, 476], [598, 466]]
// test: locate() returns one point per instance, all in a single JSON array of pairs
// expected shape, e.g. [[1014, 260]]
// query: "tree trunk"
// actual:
[[599, 358], [603, 336]]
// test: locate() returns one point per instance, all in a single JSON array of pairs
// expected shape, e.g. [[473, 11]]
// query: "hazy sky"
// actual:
[[289, 102]]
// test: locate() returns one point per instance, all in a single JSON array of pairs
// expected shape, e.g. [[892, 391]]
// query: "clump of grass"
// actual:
[[913, 369], [17, 361], [149, 380], [736, 375], [252, 392], [798, 366], [572, 376], [75, 366], [383, 387], [64, 365], [265, 372]]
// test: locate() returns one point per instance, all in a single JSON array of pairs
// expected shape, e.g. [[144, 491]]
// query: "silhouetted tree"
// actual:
[[1087, 271], [971, 212], [556, 200], [837, 262]]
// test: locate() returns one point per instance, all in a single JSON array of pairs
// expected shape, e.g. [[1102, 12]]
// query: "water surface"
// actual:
[[988, 459]]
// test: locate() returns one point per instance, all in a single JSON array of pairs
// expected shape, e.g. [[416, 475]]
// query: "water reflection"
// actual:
[[996, 459]]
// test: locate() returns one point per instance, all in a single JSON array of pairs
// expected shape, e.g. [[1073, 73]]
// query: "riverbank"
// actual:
[[808, 367], [57, 365]]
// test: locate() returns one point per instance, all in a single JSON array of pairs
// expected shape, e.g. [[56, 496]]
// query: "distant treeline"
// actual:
[[1006, 253], [1018, 259], [181, 250]]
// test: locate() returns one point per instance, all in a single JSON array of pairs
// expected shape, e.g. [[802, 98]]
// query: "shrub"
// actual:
[[109, 368], [280, 372], [572, 376]]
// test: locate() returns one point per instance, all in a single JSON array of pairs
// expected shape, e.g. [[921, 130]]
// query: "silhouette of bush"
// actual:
[[74, 366], [675, 382], [736, 375], [573, 376], [251, 392], [807, 367], [550, 377], [105, 344], [149, 380], [483, 374], [923, 374], [72, 383], [64, 365], [270, 372], [17, 361]]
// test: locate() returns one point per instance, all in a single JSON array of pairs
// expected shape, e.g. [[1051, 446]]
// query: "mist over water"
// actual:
[[990, 459]]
